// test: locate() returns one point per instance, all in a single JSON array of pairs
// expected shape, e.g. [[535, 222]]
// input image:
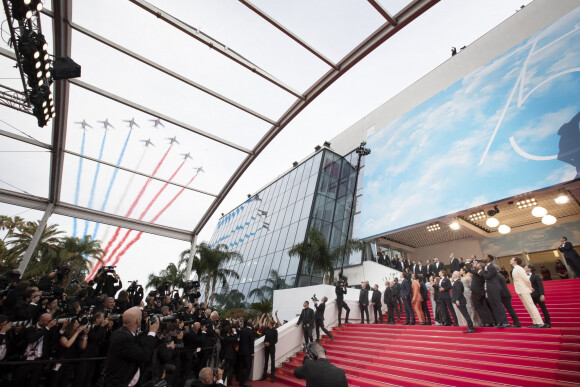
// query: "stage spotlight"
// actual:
[[454, 225], [549, 220], [492, 222], [21, 10], [65, 68], [504, 229], [562, 199], [539, 212], [493, 212], [35, 4]]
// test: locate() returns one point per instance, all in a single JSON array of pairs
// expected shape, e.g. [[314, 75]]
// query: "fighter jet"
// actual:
[[132, 123], [84, 124], [106, 123], [147, 142], [157, 122], [172, 140], [199, 169], [186, 156]]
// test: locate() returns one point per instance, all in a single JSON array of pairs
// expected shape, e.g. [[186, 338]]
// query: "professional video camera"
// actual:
[[314, 299], [61, 272], [310, 353], [6, 281], [343, 283], [191, 290], [135, 293], [109, 269]]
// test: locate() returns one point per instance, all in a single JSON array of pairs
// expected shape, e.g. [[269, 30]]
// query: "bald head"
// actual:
[[132, 319], [44, 319], [206, 375]]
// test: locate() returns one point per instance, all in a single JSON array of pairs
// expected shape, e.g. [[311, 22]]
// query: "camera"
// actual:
[[219, 367], [313, 298], [109, 269], [188, 285], [21, 323]]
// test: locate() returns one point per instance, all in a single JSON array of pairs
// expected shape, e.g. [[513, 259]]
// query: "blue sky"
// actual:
[[489, 136]]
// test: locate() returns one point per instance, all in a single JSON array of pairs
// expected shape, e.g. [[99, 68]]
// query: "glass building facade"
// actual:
[[316, 193]]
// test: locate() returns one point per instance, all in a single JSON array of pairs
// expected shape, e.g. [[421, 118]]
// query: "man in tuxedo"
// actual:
[[363, 302], [318, 371], [319, 318], [425, 296], [506, 300], [538, 294], [127, 353], [445, 287], [406, 297], [340, 291], [399, 265], [420, 269], [376, 301], [454, 263], [437, 266], [388, 299], [494, 290], [478, 295], [523, 288], [307, 320], [246, 350], [571, 256], [397, 298], [458, 298], [429, 269]]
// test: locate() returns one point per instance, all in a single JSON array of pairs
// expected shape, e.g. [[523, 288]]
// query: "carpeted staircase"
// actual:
[[396, 355]]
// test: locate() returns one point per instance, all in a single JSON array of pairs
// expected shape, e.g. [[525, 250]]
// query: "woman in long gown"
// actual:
[[417, 299], [466, 279], [432, 298]]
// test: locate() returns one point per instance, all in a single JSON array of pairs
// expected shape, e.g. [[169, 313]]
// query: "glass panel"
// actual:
[[25, 167], [282, 238]]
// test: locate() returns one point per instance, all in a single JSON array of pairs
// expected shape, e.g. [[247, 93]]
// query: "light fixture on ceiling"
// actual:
[[477, 216], [562, 199], [539, 212], [526, 203], [454, 225], [492, 222], [493, 212], [504, 229], [549, 220], [433, 227]]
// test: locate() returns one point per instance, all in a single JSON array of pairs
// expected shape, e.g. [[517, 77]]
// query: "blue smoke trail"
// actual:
[[78, 184], [95, 178], [112, 181]]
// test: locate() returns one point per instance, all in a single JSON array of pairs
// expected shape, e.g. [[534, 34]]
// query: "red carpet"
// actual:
[[396, 355]]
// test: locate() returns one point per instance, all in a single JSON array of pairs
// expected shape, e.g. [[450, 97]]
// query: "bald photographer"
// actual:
[[318, 371]]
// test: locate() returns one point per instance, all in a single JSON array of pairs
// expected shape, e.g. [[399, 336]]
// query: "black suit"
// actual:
[[376, 301], [397, 299], [457, 295], [425, 296], [406, 297], [320, 373], [389, 301], [478, 296], [363, 302], [506, 300], [30, 374], [126, 354], [319, 320], [493, 284], [444, 289], [538, 292], [307, 320], [454, 265], [340, 292], [270, 337], [571, 257], [245, 352]]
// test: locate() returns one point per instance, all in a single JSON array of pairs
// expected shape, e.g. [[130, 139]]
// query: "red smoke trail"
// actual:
[[118, 229], [145, 212], [138, 236]]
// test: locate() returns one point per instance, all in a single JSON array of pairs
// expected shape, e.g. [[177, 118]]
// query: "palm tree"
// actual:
[[10, 224], [266, 291], [316, 252], [173, 275], [230, 299], [212, 263]]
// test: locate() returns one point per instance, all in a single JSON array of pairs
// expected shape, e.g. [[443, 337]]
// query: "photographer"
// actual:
[[229, 340], [307, 320], [126, 352], [340, 291], [318, 371], [68, 348], [319, 317], [207, 377], [108, 282], [94, 335], [246, 352]]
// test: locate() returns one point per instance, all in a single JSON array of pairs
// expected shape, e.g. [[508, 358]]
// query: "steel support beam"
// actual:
[[37, 234], [384, 13], [28, 140], [164, 117], [65, 209], [192, 251], [288, 33], [213, 44], [378, 37], [62, 47]]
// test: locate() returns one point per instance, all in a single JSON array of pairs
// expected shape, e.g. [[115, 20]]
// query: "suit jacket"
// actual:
[[228, 351], [319, 314], [405, 288], [568, 250], [320, 373], [454, 265], [306, 317], [396, 292], [421, 270], [437, 267], [477, 281], [363, 297], [126, 354], [376, 298], [492, 278], [537, 285], [444, 288], [424, 291], [340, 292], [522, 283], [457, 292], [388, 296], [247, 337]]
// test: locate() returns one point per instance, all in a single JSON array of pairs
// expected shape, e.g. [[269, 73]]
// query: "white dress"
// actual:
[[470, 309]]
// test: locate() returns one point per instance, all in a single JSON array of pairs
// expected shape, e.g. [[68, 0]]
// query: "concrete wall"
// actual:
[[461, 248]]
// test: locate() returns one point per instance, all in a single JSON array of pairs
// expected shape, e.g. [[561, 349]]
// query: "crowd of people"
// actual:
[[476, 294], [104, 335]]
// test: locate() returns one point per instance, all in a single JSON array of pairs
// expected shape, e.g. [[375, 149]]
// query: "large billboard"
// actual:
[[509, 127]]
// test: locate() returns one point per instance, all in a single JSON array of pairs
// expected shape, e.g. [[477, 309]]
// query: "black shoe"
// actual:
[[505, 326], [470, 330], [547, 325], [406, 323], [264, 377], [413, 323], [346, 321], [455, 325], [340, 326], [272, 379], [362, 322], [517, 326], [331, 338], [536, 326]]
